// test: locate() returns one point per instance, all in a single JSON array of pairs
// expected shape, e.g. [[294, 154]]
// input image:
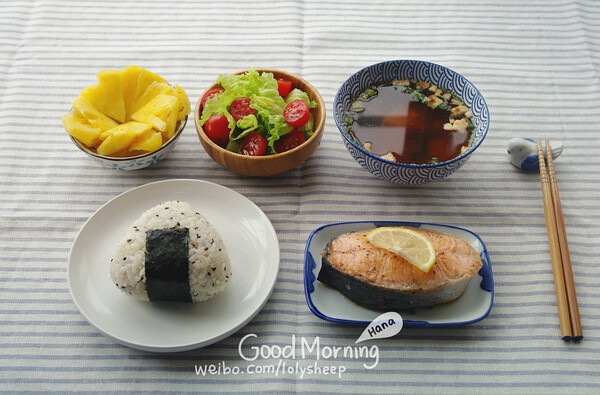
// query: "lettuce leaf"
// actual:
[[278, 127], [246, 125], [218, 104], [297, 94], [269, 109], [309, 127]]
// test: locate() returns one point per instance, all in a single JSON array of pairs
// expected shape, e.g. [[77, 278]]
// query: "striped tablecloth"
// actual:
[[537, 63]]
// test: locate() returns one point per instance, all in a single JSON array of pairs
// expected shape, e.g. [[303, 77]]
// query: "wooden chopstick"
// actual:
[[564, 249], [557, 270]]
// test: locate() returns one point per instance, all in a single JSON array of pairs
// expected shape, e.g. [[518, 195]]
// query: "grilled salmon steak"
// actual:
[[379, 279]]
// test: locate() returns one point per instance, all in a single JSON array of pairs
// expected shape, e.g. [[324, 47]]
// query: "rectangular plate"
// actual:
[[329, 304]]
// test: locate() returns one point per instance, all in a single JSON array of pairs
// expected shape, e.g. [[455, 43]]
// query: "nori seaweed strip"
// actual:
[[167, 268]]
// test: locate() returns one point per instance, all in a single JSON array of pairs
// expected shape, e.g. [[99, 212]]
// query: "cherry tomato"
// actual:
[[284, 87], [254, 144], [290, 140], [240, 107], [217, 129], [296, 113], [210, 93]]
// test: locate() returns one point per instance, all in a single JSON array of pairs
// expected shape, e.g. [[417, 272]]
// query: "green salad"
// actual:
[[256, 114]]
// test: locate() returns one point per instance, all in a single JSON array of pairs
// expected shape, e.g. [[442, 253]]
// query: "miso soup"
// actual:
[[410, 121]]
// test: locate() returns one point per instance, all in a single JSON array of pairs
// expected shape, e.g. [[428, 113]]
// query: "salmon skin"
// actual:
[[379, 279]]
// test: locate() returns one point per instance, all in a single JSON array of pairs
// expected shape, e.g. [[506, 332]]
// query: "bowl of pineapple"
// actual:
[[131, 119]]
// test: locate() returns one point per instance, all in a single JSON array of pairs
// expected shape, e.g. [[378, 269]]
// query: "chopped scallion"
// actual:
[[371, 92], [357, 106]]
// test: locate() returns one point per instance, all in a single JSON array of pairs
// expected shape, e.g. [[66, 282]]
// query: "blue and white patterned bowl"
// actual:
[[135, 162], [403, 173]]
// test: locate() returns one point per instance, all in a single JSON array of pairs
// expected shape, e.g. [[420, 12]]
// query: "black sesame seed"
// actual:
[[205, 248], [124, 258], [178, 224], [166, 208], [213, 268], [197, 235], [209, 273], [196, 228], [123, 287], [219, 249], [129, 240], [157, 215], [212, 241]]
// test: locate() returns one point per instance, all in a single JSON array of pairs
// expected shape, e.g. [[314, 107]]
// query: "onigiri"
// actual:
[[171, 253]]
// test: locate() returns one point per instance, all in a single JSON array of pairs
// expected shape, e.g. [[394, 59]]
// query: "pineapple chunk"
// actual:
[[121, 136], [147, 142], [160, 112], [128, 110], [107, 95], [135, 82], [184, 103], [154, 89], [106, 133], [172, 119], [81, 130], [88, 112], [171, 123]]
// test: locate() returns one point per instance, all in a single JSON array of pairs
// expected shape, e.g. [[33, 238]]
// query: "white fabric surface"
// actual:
[[537, 63]]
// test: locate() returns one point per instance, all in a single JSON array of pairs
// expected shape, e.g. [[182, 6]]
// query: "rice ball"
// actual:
[[164, 228]]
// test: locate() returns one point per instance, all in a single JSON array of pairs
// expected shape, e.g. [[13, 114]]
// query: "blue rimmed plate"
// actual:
[[329, 304]]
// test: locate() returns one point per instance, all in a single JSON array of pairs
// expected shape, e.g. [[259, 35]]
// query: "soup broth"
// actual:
[[410, 122]]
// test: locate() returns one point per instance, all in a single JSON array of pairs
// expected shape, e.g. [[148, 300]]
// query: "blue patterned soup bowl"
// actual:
[[427, 79], [134, 162]]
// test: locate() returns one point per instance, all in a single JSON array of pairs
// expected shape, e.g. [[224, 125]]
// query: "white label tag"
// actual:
[[386, 325]]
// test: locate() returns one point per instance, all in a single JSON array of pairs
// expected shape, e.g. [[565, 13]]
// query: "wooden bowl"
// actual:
[[268, 165]]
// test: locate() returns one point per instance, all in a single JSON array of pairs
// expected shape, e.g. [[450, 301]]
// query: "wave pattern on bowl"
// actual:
[[133, 164], [402, 175], [377, 74]]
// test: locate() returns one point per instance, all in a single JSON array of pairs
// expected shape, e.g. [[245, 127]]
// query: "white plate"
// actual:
[[253, 249], [331, 305]]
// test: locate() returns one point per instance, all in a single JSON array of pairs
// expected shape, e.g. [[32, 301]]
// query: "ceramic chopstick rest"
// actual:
[[523, 152]]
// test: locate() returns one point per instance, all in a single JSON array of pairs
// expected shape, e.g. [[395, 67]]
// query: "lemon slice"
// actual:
[[411, 245]]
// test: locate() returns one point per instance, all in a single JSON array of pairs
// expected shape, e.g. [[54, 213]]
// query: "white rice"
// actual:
[[209, 266]]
